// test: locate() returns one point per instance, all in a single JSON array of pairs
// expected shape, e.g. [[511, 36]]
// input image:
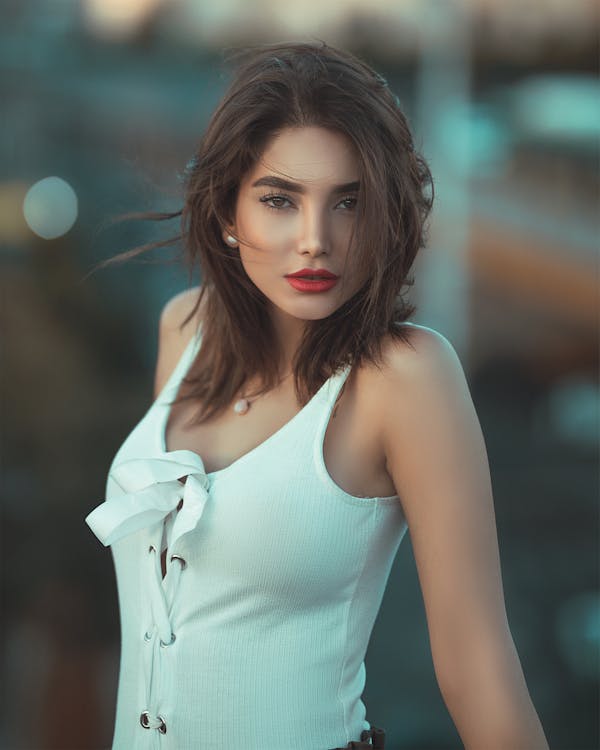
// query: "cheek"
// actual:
[[343, 234], [265, 229], [259, 260]]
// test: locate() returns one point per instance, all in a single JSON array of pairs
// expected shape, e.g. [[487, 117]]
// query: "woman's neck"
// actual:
[[288, 333]]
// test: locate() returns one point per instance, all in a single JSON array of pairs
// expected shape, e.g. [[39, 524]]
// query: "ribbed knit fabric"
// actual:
[[256, 636]]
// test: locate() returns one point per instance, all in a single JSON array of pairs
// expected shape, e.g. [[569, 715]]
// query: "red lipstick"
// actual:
[[312, 280]]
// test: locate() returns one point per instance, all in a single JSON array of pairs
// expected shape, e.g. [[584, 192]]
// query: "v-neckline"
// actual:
[[167, 408]]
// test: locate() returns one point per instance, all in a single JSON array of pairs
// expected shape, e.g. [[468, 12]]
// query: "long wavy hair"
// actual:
[[279, 86]]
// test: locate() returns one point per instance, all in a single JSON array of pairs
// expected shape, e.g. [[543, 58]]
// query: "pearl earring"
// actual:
[[231, 240]]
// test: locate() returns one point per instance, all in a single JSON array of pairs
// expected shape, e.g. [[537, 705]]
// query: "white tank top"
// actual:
[[256, 637]]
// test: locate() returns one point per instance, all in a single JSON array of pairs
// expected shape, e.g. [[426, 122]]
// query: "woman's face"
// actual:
[[295, 210]]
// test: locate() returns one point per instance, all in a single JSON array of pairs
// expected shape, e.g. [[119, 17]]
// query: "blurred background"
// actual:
[[103, 102]]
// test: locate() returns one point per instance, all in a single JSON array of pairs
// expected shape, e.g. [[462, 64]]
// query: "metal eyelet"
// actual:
[[147, 636], [151, 549], [182, 562], [164, 645], [145, 722]]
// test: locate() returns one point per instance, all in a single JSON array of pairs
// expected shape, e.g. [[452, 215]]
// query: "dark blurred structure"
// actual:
[[505, 101]]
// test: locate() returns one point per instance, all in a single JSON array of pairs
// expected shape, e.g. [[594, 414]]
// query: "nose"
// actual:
[[314, 233]]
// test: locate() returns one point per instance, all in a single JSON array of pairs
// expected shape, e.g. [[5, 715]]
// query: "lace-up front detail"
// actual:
[[169, 491]]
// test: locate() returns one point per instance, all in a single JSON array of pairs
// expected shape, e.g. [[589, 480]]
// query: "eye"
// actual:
[[275, 201], [350, 202]]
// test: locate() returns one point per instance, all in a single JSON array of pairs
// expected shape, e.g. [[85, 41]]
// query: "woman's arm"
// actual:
[[436, 456]]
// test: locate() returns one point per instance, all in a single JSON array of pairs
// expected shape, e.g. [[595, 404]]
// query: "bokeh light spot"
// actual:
[[50, 207]]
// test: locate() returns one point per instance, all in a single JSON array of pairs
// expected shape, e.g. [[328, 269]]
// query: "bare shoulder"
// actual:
[[424, 355], [177, 309], [420, 386], [415, 373], [420, 370], [175, 332], [424, 351]]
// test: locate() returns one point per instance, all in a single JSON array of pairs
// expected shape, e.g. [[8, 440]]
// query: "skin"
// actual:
[[424, 430]]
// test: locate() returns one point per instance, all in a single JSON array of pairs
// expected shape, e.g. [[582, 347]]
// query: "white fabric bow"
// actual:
[[152, 490]]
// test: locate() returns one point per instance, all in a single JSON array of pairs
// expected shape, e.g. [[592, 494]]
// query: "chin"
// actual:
[[312, 311], [307, 312]]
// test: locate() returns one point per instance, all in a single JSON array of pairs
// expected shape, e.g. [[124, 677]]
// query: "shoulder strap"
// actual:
[[183, 364], [331, 391]]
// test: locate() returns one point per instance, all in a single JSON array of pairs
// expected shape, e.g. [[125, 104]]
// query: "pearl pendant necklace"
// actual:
[[242, 405]]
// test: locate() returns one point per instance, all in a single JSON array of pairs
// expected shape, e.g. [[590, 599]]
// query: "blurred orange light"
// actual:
[[13, 228]]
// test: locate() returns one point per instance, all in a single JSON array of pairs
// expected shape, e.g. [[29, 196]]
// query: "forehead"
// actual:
[[311, 155]]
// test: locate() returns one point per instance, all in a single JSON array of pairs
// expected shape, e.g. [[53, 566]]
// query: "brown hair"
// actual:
[[294, 85]]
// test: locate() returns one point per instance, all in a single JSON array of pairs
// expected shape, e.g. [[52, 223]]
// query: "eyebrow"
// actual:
[[295, 187]]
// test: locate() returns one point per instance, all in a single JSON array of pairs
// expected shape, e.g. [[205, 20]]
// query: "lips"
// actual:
[[312, 280], [315, 274]]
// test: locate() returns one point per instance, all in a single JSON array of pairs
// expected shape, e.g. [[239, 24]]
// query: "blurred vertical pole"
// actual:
[[443, 92]]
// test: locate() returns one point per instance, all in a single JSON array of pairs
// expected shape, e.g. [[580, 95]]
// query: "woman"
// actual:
[[301, 425]]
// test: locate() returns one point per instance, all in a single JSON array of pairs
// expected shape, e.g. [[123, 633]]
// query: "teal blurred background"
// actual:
[[109, 98]]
